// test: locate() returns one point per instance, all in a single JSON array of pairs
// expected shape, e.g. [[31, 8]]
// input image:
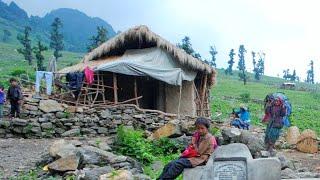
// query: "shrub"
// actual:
[[131, 143], [18, 72], [166, 146], [245, 97]]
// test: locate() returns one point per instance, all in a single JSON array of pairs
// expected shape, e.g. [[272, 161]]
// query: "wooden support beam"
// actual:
[[115, 88], [135, 89], [203, 92]]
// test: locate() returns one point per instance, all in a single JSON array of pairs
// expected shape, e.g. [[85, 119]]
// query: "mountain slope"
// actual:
[[77, 26]]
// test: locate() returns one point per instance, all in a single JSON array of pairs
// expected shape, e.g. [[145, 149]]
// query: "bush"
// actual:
[[17, 72], [131, 143], [166, 146], [245, 97]]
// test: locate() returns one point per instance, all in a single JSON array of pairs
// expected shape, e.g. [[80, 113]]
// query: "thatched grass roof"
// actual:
[[137, 38]]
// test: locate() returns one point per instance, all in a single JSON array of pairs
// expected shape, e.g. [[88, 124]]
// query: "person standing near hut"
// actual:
[[276, 111], [15, 98]]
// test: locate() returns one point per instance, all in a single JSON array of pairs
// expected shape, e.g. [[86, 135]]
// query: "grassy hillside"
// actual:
[[227, 95], [11, 60]]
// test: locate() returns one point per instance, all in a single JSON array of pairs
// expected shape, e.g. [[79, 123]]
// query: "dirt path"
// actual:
[[17, 155]]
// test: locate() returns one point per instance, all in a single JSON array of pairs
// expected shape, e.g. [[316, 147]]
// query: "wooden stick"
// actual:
[[115, 88], [135, 90], [204, 87]]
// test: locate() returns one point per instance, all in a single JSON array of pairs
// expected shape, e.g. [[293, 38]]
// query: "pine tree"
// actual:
[[40, 58], [293, 77], [56, 38], [286, 74], [242, 65], [310, 73], [230, 62], [100, 38], [24, 39], [186, 46], [258, 67], [213, 53]]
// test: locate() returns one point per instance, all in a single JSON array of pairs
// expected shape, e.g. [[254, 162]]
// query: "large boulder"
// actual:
[[288, 174], [48, 106], [171, 129], [307, 142], [69, 163], [254, 142], [61, 148], [293, 134], [231, 135], [233, 150], [93, 155], [117, 175]]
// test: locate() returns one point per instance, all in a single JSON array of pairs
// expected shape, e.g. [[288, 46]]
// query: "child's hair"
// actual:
[[12, 80], [202, 121]]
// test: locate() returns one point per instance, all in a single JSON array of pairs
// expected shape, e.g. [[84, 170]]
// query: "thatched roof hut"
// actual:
[[140, 37]]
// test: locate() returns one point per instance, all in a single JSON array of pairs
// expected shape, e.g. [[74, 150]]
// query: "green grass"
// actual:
[[11, 60], [305, 104]]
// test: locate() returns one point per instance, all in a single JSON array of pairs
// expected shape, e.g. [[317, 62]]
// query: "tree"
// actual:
[[38, 52], [258, 67], [242, 65], [310, 73], [24, 39], [286, 74], [293, 76], [186, 46], [213, 53], [6, 35], [56, 38], [97, 40], [230, 62]]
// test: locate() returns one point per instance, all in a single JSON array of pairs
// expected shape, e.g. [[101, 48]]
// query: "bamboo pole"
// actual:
[[115, 88], [203, 91], [135, 89]]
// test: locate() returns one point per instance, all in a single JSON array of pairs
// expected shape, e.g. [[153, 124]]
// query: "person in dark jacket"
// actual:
[[15, 98], [2, 100]]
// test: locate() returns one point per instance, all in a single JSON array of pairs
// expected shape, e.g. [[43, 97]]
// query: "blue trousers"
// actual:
[[174, 168]]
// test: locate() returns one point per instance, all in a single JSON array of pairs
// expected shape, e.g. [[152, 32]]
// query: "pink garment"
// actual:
[[89, 74]]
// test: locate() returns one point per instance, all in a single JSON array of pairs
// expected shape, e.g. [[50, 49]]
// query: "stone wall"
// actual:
[[48, 118]]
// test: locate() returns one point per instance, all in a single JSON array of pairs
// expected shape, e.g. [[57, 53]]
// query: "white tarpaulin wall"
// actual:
[[153, 62]]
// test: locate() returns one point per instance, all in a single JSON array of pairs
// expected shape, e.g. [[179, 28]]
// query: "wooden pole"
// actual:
[[115, 88], [135, 89], [204, 87]]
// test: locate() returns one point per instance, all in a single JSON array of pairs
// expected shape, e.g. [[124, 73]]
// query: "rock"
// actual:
[[36, 130], [307, 142], [56, 147], [308, 175], [4, 124], [88, 131], [182, 141], [288, 174], [171, 129], [67, 150], [43, 120], [117, 175], [79, 110], [48, 106], [31, 100], [293, 134], [254, 142], [61, 115], [47, 125], [71, 133], [102, 130], [76, 143], [231, 134], [127, 117], [30, 107], [157, 165], [95, 173], [71, 109], [188, 127], [69, 163], [141, 177], [283, 160], [93, 155], [19, 122], [117, 159], [233, 150], [264, 169]]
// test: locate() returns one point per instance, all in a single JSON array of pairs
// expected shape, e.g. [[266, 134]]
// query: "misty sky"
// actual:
[[288, 31]]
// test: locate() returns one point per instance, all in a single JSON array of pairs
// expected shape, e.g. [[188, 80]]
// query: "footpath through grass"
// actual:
[[228, 91]]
